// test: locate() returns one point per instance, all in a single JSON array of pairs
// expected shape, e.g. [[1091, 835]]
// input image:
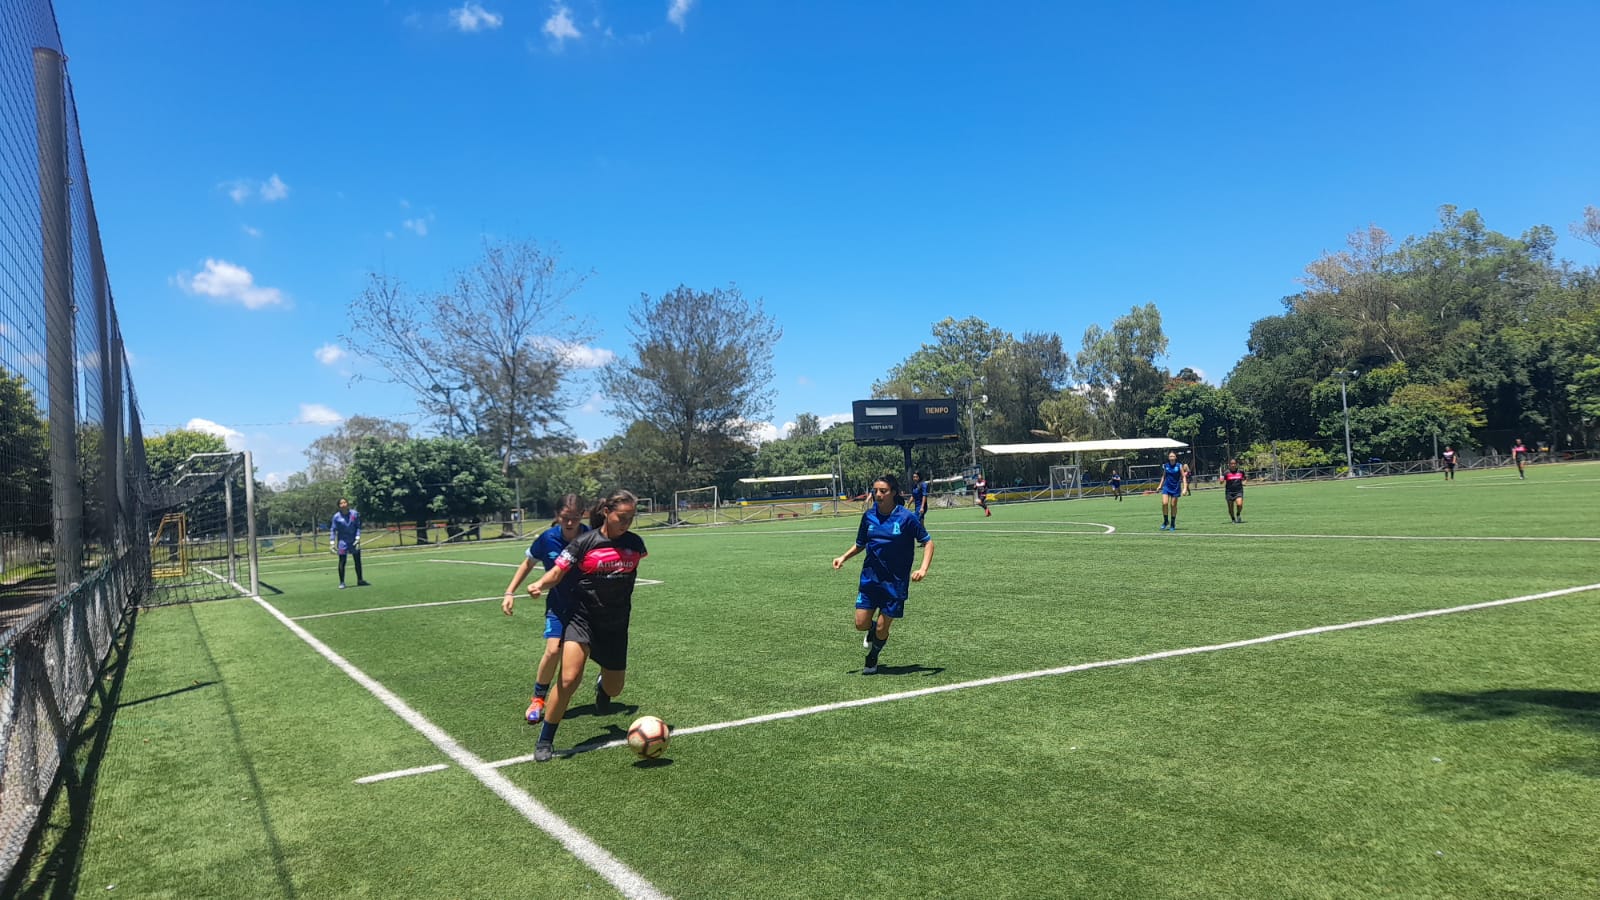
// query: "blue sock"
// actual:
[[547, 734], [541, 690]]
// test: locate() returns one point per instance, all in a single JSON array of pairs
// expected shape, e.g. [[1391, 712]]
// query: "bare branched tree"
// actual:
[[488, 358]]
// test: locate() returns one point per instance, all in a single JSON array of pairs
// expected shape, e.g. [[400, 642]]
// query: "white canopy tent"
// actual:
[[1086, 446], [829, 477]]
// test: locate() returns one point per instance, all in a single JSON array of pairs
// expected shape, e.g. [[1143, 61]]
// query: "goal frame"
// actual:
[[1066, 482], [683, 503]]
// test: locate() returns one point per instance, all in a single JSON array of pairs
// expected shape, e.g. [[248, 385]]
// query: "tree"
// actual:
[[1119, 368], [1207, 416], [806, 425], [1018, 379], [490, 357], [24, 446], [302, 506], [422, 478], [949, 367], [700, 375], [330, 455]]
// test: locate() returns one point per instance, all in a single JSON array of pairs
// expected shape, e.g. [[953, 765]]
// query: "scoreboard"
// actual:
[[905, 421]]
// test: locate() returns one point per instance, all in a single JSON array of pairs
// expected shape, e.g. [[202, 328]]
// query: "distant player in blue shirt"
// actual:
[[1174, 484], [344, 538], [1116, 485], [544, 550], [919, 496], [886, 533]]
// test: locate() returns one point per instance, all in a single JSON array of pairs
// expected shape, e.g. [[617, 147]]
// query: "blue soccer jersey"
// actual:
[[1172, 478], [887, 540], [346, 527], [544, 550], [919, 497]]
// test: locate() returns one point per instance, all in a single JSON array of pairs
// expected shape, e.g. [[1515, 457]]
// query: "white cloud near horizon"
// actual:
[[418, 226], [560, 26], [251, 231], [678, 12], [578, 356], [233, 439], [241, 190], [328, 354], [223, 280], [317, 414], [470, 17]]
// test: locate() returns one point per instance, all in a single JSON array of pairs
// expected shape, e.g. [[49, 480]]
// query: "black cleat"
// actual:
[[602, 700], [363, 584], [543, 752]]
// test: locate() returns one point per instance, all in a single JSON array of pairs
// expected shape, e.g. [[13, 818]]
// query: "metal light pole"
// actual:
[[972, 429], [1344, 379]]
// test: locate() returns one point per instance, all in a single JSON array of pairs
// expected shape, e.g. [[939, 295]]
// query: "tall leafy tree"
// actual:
[[24, 461], [1119, 366], [330, 455], [1209, 417], [422, 478], [489, 357], [699, 374]]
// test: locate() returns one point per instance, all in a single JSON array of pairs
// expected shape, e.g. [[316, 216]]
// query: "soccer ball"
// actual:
[[648, 736]]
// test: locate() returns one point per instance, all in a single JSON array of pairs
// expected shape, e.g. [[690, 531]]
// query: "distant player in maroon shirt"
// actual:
[[1519, 455], [1449, 455], [1233, 490]]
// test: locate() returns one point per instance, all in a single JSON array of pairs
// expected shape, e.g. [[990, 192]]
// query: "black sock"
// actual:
[[541, 690], [547, 734]]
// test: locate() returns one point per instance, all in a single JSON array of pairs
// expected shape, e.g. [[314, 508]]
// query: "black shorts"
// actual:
[[1234, 493], [608, 643]]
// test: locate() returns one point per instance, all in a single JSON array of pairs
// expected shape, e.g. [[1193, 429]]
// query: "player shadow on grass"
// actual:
[[618, 708], [924, 671], [1562, 709]]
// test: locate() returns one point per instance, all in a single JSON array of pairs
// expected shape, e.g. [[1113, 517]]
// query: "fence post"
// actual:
[[250, 523], [55, 225]]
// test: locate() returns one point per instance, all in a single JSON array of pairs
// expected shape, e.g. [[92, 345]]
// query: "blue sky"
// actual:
[[864, 168]]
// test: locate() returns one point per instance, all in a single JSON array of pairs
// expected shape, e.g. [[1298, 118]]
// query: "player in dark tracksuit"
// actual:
[[1233, 490], [886, 534]]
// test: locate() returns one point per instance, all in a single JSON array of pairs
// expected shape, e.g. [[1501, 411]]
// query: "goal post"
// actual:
[[696, 506], [1066, 482]]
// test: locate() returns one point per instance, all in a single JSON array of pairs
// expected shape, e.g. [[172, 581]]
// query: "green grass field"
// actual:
[[1455, 755]]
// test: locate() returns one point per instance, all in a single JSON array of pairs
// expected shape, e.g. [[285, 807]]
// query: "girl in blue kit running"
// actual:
[[1174, 484], [886, 533], [543, 551]]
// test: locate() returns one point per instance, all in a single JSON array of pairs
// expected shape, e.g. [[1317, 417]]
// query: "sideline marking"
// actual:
[[1063, 670], [1360, 537], [580, 845], [1473, 482]]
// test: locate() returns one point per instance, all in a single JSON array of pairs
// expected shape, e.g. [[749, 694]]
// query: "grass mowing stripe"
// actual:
[[596, 857], [1040, 673]]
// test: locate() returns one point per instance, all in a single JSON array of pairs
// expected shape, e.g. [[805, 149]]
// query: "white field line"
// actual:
[[243, 591], [1360, 537], [580, 845], [473, 562], [1065, 670], [1471, 483], [373, 609], [384, 554], [402, 773]]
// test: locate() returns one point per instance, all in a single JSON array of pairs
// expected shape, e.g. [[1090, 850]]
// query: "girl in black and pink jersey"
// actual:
[[1233, 490]]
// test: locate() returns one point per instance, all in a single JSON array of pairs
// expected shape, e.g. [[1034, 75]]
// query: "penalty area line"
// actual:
[[1048, 673], [580, 845]]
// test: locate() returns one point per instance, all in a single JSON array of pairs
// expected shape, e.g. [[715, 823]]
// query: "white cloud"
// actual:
[[833, 419], [328, 354], [274, 189], [222, 280], [471, 17], [252, 232], [239, 190], [593, 404], [275, 480], [678, 12], [234, 439], [317, 414], [559, 26], [577, 356], [389, 235], [418, 225]]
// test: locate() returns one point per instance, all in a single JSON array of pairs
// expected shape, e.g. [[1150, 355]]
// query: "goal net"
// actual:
[[696, 506], [201, 532], [1065, 482], [1144, 475]]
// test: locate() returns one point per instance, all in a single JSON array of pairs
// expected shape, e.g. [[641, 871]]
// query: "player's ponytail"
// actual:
[[597, 516]]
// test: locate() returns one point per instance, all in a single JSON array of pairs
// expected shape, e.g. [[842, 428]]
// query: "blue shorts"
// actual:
[[1175, 492], [891, 607], [553, 626]]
